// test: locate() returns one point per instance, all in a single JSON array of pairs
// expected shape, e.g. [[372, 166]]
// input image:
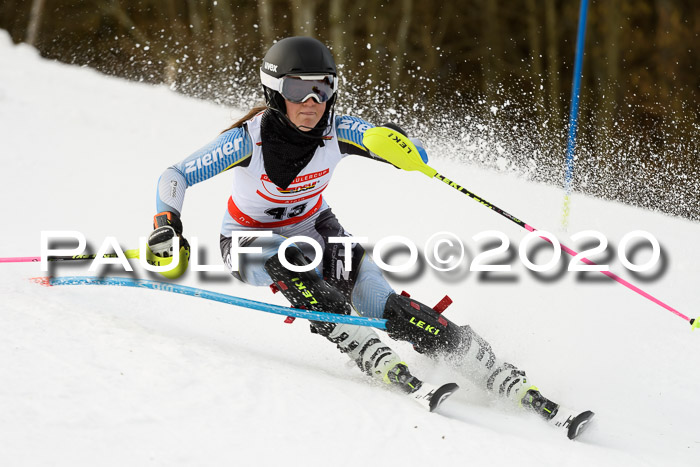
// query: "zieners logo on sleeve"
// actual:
[[211, 157], [347, 124]]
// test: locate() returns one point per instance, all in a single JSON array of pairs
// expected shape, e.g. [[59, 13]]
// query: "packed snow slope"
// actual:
[[113, 377]]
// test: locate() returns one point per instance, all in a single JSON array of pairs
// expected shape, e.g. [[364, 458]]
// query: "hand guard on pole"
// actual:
[[395, 147], [168, 226], [416, 141]]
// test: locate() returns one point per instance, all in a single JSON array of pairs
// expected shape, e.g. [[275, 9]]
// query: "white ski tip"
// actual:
[[579, 424], [430, 397]]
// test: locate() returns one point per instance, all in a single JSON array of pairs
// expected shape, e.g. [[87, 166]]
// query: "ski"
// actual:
[[431, 397], [573, 423], [579, 424]]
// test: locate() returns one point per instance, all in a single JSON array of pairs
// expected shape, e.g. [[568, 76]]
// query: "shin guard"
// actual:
[[412, 321], [469, 353], [308, 291]]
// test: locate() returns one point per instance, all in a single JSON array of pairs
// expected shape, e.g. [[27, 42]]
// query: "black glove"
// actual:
[[167, 226]]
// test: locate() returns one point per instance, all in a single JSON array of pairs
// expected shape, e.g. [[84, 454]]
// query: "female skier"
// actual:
[[282, 156]]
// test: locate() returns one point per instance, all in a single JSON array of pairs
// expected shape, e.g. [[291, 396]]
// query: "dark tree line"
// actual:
[[639, 108]]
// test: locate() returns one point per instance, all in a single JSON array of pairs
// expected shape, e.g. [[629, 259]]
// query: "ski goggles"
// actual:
[[298, 89]]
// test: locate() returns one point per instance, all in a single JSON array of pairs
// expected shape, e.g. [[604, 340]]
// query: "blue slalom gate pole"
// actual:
[[573, 114], [217, 297]]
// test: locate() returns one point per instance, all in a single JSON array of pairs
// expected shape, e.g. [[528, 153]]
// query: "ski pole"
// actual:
[[37, 259], [214, 296], [401, 152]]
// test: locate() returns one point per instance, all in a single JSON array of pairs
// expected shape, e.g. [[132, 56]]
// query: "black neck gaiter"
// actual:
[[285, 151]]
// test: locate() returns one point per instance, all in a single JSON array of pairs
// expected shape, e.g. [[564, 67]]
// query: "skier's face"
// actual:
[[305, 115]]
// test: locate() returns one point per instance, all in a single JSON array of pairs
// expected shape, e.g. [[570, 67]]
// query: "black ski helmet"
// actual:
[[296, 56]]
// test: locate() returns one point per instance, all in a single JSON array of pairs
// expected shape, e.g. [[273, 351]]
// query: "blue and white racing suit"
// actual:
[[256, 203]]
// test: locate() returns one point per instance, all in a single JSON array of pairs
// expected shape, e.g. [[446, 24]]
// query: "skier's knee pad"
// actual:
[[306, 289], [412, 321]]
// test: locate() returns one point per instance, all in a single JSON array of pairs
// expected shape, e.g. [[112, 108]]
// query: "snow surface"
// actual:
[[112, 377]]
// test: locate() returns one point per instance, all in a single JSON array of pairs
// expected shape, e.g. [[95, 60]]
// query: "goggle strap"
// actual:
[[270, 81], [276, 83]]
